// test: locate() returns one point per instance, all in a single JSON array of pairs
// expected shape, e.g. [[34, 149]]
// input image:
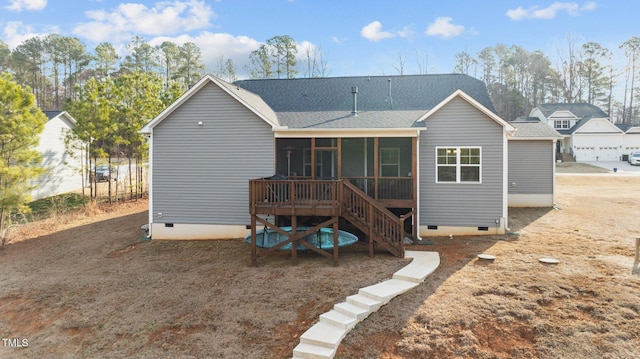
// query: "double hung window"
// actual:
[[458, 164]]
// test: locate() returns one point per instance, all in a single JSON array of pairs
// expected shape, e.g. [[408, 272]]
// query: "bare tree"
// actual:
[[631, 49], [423, 63], [315, 60], [399, 66], [224, 69], [569, 68], [465, 64]]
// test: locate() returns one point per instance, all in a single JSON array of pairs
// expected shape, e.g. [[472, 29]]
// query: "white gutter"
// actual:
[[346, 132]]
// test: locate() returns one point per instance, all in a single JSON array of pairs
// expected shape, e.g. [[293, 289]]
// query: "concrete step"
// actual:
[[321, 341], [310, 351], [338, 319], [387, 290], [352, 310], [324, 335], [360, 300], [422, 265]]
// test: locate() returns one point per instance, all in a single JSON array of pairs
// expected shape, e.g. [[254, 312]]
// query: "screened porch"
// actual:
[[382, 167]]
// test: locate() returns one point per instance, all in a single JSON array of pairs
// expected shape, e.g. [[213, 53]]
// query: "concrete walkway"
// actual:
[[322, 339]]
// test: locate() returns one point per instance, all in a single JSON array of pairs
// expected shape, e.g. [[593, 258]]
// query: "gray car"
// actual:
[[102, 173]]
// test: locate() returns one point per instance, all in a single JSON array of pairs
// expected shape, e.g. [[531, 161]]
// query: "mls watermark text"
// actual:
[[15, 342]]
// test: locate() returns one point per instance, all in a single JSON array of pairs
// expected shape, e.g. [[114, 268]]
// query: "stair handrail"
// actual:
[[398, 232]]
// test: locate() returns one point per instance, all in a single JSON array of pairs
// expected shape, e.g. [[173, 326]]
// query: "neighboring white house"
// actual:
[[63, 170], [588, 133], [631, 139]]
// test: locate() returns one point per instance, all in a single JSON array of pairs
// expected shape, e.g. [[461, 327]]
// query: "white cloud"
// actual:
[[212, 45], [405, 32], [550, 12], [19, 5], [304, 48], [164, 18], [373, 32], [443, 27], [15, 33], [339, 41]]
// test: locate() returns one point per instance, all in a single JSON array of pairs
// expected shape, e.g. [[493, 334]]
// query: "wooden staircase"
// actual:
[[380, 225], [322, 199]]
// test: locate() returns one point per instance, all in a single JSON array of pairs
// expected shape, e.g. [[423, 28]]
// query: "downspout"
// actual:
[[505, 182], [150, 136], [417, 174], [553, 172]]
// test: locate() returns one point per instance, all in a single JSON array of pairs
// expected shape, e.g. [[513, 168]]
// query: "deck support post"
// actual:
[[335, 243], [294, 243], [254, 252], [370, 234]]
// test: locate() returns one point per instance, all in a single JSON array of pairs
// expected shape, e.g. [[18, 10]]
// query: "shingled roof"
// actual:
[[530, 128], [382, 101], [581, 110], [51, 114]]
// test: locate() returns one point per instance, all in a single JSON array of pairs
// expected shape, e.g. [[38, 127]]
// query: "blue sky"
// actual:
[[357, 37]]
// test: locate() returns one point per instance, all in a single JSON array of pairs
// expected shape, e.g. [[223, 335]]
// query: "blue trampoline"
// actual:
[[322, 238]]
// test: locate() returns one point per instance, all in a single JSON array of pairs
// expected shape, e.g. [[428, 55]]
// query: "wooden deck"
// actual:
[[327, 198]]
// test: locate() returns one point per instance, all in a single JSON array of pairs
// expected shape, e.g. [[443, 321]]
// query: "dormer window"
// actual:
[[563, 124]]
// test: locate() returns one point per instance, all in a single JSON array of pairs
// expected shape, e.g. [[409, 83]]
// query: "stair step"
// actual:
[[310, 351], [388, 289], [352, 310], [369, 303], [339, 319], [324, 334]]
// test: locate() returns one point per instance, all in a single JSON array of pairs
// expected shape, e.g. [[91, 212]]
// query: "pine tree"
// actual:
[[21, 123]]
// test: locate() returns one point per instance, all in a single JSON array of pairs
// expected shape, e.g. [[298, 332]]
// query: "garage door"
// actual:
[[607, 154], [585, 154]]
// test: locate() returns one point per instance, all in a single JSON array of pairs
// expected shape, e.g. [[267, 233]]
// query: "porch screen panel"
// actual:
[[353, 157]]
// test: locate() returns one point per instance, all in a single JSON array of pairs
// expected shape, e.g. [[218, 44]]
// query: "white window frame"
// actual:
[[458, 165], [562, 124]]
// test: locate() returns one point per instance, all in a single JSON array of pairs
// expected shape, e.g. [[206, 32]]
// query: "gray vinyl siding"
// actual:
[[201, 173], [456, 204], [531, 167]]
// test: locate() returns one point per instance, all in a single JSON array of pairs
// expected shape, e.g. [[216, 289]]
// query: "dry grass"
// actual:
[[587, 306], [89, 287]]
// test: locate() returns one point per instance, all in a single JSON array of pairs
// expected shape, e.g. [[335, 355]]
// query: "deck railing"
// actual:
[[275, 193], [383, 226], [386, 187]]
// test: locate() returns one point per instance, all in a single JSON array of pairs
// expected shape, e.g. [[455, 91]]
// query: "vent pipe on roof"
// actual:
[[354, 91], [389, 98]]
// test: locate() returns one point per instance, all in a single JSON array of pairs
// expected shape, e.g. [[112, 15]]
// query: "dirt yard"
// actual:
[[90, 286]]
